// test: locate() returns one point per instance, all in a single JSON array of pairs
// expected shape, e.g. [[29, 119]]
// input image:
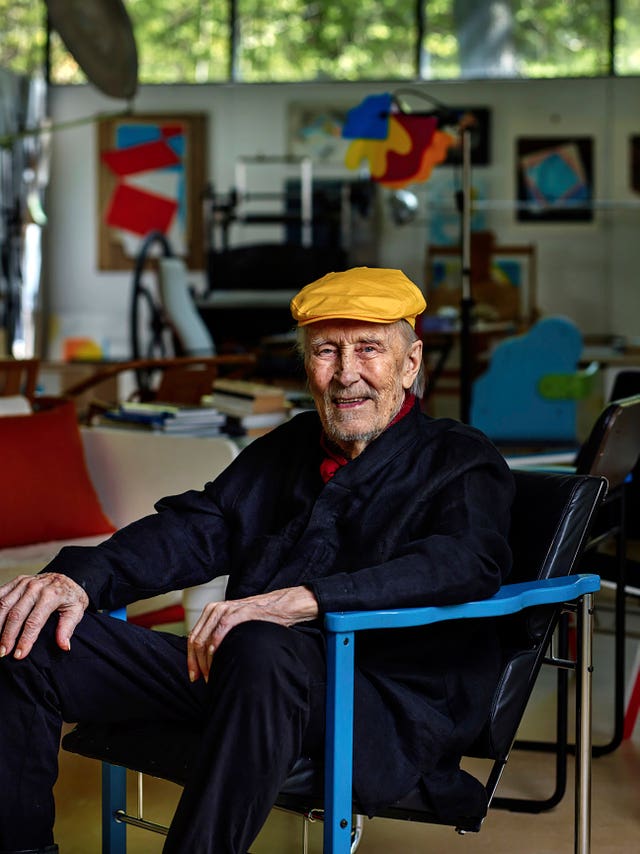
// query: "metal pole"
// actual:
[[466, 302], [306, 201], [584, 671]]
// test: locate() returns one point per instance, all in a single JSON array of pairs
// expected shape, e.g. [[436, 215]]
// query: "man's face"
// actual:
[[358, 373]]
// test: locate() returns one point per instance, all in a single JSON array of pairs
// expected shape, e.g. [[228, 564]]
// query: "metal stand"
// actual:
[[464, 207], [584, 673], [466, 302], [304, 218]]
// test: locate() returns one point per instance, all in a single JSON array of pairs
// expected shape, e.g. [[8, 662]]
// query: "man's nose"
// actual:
[[347, 372]]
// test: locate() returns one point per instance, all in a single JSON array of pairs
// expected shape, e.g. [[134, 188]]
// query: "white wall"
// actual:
[[587, 271]]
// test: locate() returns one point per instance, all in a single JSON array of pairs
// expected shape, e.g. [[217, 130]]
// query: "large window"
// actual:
[[627, 36], [23, 36], [200, 41], [531, 38], [181, 40], [330, 39]]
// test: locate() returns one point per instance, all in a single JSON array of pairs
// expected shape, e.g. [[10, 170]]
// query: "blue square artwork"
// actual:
[[555, 179]]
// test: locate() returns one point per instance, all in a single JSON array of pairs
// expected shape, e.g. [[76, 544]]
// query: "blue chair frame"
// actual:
[[341, 629], [511, 598]]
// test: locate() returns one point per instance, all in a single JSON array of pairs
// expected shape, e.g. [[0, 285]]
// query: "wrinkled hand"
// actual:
[[285, 607], [27, 602]]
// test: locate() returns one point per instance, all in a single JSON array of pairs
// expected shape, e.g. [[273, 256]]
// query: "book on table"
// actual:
[[169, 418], [256, 423], [243, 397]]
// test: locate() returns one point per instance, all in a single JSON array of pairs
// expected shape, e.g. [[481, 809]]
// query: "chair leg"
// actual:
[[114, 797], [305, 834], [584, 670], [339, 744], [560, 747], [357, 829], [620, 633]]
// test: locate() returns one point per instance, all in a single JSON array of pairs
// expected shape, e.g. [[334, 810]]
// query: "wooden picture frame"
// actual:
[[508, 289], [634, 162], [151, 177]]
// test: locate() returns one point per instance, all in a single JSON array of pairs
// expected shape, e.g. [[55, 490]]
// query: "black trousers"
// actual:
[[262, 708]]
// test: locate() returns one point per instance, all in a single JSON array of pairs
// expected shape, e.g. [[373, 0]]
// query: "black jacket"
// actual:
[[421, 517]]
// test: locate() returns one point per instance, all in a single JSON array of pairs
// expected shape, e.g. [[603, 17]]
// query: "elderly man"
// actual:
[[366, 503]]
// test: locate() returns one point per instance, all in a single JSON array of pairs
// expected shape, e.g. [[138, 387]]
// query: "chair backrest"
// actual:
[[180, 309], [187, 384], [18, 376], [552, 515], [550, 518], [613, 446], [626, 383]]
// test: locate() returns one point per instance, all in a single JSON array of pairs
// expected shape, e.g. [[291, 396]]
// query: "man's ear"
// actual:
[[412, 363]]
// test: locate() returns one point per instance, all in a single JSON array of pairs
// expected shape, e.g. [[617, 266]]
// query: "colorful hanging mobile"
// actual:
[[401, 148]]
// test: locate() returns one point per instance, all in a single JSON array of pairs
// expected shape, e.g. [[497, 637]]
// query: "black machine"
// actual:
[[250, 284]]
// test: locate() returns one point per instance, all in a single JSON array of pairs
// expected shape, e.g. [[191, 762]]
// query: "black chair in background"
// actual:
[[612, 451], [627, 384], [551, 520]]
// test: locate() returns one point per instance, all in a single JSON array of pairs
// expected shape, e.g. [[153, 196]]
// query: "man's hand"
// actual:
[[285, 607], [27, 602]]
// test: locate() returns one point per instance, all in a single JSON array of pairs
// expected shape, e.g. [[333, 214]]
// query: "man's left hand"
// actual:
[[285, 607]]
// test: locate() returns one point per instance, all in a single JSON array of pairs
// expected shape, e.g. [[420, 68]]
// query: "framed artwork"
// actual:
[[151, 177], [554, 179], [503, 292], [634, 156], [315, 130], [480, 138]]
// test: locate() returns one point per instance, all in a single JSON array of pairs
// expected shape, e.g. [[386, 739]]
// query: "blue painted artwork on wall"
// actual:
[[555, 179]]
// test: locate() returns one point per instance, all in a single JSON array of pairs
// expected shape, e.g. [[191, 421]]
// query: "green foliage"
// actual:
[[181, 40], [627, 34], [315, 40], [563, 39], [190, 41], [22, 36]]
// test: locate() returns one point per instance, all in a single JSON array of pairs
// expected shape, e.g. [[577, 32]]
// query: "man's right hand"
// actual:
[[27, 602]]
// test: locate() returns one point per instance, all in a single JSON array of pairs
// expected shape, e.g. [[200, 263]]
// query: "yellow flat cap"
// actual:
[[371, 294]]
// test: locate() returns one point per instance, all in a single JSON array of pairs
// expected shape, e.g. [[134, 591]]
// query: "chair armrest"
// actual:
[[340, 627], [551, 469], [508, 600]]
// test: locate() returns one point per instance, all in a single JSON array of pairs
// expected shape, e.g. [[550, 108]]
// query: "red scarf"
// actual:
[[333, 460]]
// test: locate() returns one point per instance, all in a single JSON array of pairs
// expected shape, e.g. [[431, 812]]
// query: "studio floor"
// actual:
[[615, 792]]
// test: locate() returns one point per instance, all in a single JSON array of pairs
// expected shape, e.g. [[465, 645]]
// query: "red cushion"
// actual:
[[45, 489], [170, 614]]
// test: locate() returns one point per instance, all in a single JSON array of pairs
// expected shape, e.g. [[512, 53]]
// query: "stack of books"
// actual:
[[169, 418], [252, 408], [300, 401]]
